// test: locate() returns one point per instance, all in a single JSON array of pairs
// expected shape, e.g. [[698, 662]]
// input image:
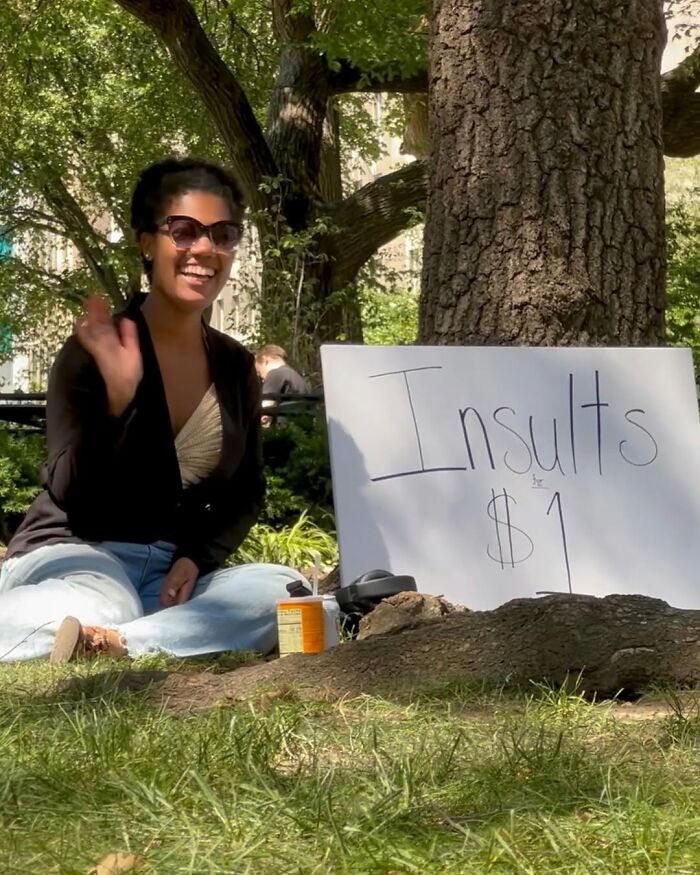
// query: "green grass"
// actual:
[[455, 778]]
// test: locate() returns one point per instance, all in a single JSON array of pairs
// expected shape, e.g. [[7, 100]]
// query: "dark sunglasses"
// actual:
[[184, 231]]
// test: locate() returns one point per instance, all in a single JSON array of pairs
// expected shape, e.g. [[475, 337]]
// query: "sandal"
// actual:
[[66, 641], [74, 641]]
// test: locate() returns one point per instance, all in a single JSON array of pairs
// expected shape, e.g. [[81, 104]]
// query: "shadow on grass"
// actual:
[[104, 686], [119, 681]]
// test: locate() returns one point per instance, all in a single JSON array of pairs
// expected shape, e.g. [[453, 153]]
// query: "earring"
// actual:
[[148, 256]]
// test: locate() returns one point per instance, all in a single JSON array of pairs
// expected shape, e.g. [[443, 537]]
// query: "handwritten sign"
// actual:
[[497, 473]]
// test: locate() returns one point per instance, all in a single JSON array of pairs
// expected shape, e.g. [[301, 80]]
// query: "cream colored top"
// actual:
[[198, 443]]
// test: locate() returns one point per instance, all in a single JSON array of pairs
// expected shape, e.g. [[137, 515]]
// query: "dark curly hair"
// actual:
[[158, 184]]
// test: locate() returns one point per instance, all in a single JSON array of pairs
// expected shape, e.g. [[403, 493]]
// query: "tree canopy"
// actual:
[[91, 98], [87, 103], [273, 89]]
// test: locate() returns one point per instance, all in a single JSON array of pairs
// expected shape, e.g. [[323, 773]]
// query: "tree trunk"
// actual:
[[296, 116], [545, 219], [330, 179]]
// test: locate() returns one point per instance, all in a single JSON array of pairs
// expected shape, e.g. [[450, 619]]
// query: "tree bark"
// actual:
[[296, 114], [330, 178], [373, 216], [621, 644], [682, 129], [545, 220], [416, 135]]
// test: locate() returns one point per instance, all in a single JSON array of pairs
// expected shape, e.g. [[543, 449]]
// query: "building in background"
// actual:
[[26, 359]]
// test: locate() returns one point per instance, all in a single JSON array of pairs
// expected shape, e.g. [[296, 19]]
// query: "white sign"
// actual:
[[498, 473]]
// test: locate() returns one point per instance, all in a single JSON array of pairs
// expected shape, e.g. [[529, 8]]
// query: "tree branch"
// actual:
[[349, 78], [296, 112], [373, 216], [87, 241], [177, 26], [59, 284], [681, 107], [14, 218], [12, 227], [684, 78], [682, 129]]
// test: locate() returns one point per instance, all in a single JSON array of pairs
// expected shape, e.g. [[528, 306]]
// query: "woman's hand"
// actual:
[[179, 582], [115, 349]]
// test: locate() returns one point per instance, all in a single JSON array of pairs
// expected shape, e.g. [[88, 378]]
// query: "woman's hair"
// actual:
[[158, 184]]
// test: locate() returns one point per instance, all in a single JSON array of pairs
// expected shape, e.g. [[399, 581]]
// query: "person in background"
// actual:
[[278, 378], [154, 474]]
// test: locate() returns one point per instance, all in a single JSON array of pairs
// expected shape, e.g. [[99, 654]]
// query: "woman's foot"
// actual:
[[74, 641]]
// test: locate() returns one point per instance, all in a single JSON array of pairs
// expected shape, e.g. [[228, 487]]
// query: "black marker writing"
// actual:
[[598, 404], [556, 463], [465, 432], [519, 437], [647, 433], [422, 470], [506, 551], [572, 430], [557, 497]]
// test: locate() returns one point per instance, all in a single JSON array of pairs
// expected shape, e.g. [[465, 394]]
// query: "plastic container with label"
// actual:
[[300, 625], [307, 624]]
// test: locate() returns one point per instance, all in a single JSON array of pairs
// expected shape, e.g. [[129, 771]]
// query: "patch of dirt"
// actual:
[[656, 706], [641, 710], [375, 665]]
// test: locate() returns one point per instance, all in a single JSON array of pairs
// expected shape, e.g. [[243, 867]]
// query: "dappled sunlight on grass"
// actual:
[[452, 778]]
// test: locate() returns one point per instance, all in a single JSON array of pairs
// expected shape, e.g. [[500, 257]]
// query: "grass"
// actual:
[[454, 779]]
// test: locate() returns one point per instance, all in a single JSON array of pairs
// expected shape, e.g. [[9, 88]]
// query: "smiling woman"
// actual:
[[187, 218], [154, 475]]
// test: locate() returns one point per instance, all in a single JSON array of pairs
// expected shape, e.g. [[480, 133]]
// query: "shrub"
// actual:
[[683, 277], [389, 318], [298, 545], [21, 455], [298, 473]]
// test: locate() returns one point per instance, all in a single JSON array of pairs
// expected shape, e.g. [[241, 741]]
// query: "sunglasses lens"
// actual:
[[225, 235], [183, 232]]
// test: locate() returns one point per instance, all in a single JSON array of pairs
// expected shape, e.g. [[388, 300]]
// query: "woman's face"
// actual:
[[189, 278]]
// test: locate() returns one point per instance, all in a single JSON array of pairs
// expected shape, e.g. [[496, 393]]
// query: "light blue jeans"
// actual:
[[118, 585]]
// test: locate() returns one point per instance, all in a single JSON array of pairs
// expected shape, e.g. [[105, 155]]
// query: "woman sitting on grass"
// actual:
[[154, 473]]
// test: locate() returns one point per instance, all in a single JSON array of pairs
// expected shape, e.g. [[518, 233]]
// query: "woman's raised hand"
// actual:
[[115, 349]]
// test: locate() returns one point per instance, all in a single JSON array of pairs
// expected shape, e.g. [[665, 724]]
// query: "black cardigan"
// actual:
[[118, 479]]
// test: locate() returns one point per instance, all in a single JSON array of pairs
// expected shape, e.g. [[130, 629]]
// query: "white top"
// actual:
[[198, 443]]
